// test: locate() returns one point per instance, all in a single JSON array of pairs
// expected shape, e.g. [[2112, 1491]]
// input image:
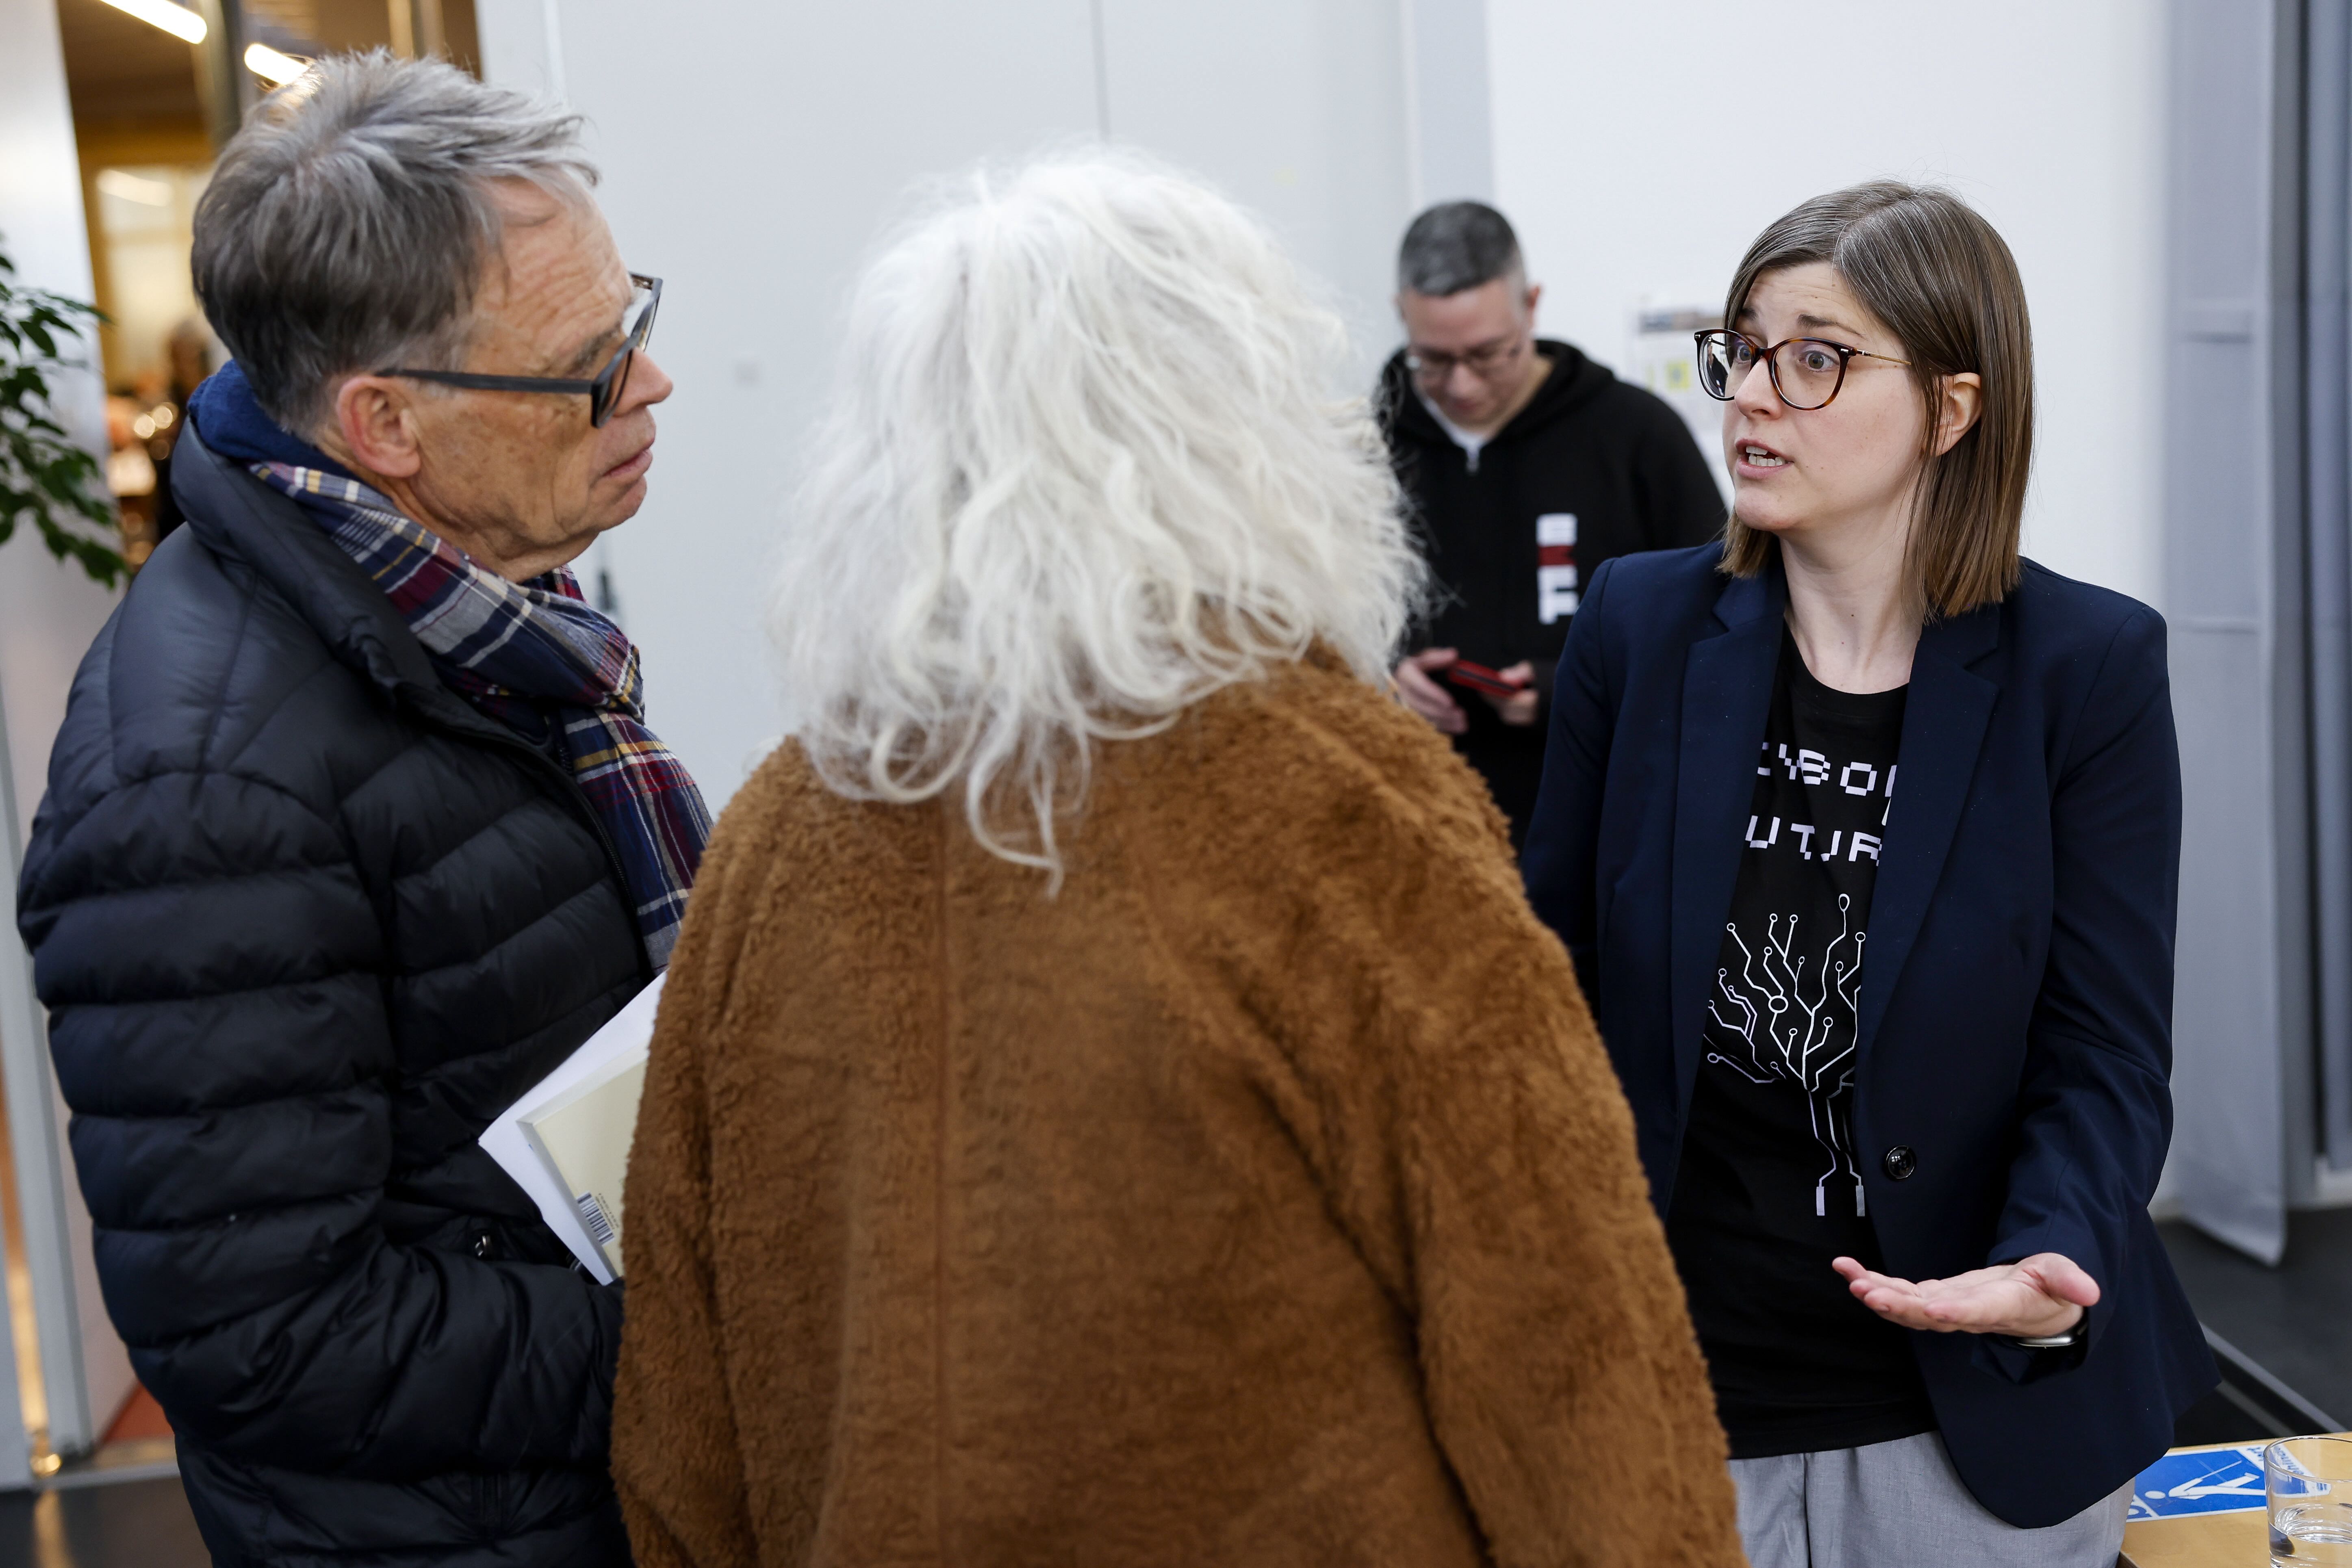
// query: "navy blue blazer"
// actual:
[[2015, 1026]]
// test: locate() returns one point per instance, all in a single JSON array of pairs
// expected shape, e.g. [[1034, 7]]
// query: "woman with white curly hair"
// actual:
[[1112, 1103]]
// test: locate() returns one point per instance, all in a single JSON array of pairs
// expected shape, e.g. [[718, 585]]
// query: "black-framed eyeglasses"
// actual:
[[1806, 371], [603, 391], [1483, 361]]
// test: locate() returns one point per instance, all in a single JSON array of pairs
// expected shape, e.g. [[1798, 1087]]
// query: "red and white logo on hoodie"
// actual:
[[1556, 592]]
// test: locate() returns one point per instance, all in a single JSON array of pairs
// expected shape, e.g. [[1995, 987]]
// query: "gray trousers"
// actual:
[[1902, 1502]]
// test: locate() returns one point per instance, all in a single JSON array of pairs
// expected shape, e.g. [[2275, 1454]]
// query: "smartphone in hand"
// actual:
[[1479, 678]]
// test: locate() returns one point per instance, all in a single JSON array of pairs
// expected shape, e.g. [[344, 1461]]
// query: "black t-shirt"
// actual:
[[1770, 1189]]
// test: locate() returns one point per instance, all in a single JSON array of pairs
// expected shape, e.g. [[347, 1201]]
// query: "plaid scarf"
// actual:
[[535, 657]]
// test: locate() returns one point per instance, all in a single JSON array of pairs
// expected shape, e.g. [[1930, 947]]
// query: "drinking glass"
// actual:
[[2309, 1482]]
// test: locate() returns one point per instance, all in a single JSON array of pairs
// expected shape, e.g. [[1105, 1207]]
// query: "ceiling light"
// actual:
[[271, 67], [131, 188], [176, 20]]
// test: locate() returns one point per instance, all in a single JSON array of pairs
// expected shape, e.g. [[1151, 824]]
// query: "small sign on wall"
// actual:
[[1664, 360]]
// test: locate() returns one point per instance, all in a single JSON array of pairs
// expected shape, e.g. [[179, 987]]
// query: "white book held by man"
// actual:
[[566, 1143]]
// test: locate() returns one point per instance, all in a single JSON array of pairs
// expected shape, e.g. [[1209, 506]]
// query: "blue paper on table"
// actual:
[[2218, 1480]]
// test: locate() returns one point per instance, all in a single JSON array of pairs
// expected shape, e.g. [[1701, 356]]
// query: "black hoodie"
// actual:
[[1590, 468]]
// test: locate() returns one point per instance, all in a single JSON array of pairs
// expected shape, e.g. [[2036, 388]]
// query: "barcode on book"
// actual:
[[592, 1214]]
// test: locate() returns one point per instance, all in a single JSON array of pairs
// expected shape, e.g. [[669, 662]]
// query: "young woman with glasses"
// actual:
[[1864, 836]]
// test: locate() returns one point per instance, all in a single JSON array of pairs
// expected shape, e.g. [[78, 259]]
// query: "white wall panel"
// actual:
[[754, 154], [1447, 95], [1641, 148], [2232, 568], [1298, 109]]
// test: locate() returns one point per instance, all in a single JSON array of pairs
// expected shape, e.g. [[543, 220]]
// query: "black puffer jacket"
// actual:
[[305, 921]]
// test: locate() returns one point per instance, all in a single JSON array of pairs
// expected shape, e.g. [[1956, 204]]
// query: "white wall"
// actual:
[[1297, 108], [1629, 179], [1447, 100], [754, 154], [758, 153], [49, 613]]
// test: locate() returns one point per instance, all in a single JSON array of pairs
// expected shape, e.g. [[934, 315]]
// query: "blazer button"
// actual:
[[1900, 1162]]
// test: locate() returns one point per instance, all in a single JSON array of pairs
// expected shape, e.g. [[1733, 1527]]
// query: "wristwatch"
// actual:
[[2067, 1340]]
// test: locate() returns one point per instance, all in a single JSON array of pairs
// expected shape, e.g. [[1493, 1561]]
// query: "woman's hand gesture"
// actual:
[[2044, 1294]]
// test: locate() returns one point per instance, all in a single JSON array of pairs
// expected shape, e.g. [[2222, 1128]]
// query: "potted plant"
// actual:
[[43, 473]]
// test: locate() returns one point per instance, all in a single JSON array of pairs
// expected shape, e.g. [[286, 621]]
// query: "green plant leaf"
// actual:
[[43, 475]]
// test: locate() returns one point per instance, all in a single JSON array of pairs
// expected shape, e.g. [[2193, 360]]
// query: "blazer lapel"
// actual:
[[1944, 722], [1727, 698]]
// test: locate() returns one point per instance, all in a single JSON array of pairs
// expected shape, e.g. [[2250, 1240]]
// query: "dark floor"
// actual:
[[2294, 1322], [132, 1524]]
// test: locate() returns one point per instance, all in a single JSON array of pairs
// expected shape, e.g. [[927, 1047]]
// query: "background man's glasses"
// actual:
[[604, 392], [1806, 371], [1434, 368]]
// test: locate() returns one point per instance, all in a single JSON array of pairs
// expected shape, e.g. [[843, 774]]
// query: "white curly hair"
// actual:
[[1085, 464]]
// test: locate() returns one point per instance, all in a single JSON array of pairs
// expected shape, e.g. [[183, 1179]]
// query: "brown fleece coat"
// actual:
[[1264, 1196]]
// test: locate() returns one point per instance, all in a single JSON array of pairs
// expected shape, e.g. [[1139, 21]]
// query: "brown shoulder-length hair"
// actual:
[[1945, 284]]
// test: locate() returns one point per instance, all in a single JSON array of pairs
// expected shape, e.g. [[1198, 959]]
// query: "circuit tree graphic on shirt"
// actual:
[[1770, 1186], [1784, 1012], [1796, 1011]]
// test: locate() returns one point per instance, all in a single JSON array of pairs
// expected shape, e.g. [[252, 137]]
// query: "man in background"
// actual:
[[1529, 466]]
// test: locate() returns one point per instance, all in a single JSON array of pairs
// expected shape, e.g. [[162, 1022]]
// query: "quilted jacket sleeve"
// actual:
[[215, 971]]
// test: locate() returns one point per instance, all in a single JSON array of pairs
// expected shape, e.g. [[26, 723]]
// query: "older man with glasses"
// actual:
[[354, 830], [1529, 466]]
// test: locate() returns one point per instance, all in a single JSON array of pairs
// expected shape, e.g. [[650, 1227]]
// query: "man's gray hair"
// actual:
[[1457, 245], [346, 226]]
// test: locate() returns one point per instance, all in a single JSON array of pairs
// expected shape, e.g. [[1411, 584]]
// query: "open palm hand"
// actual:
[[2044, 1294]]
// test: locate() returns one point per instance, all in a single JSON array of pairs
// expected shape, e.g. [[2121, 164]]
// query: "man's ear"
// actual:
[[373, 416], [1957, 407], [1535, 292]]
